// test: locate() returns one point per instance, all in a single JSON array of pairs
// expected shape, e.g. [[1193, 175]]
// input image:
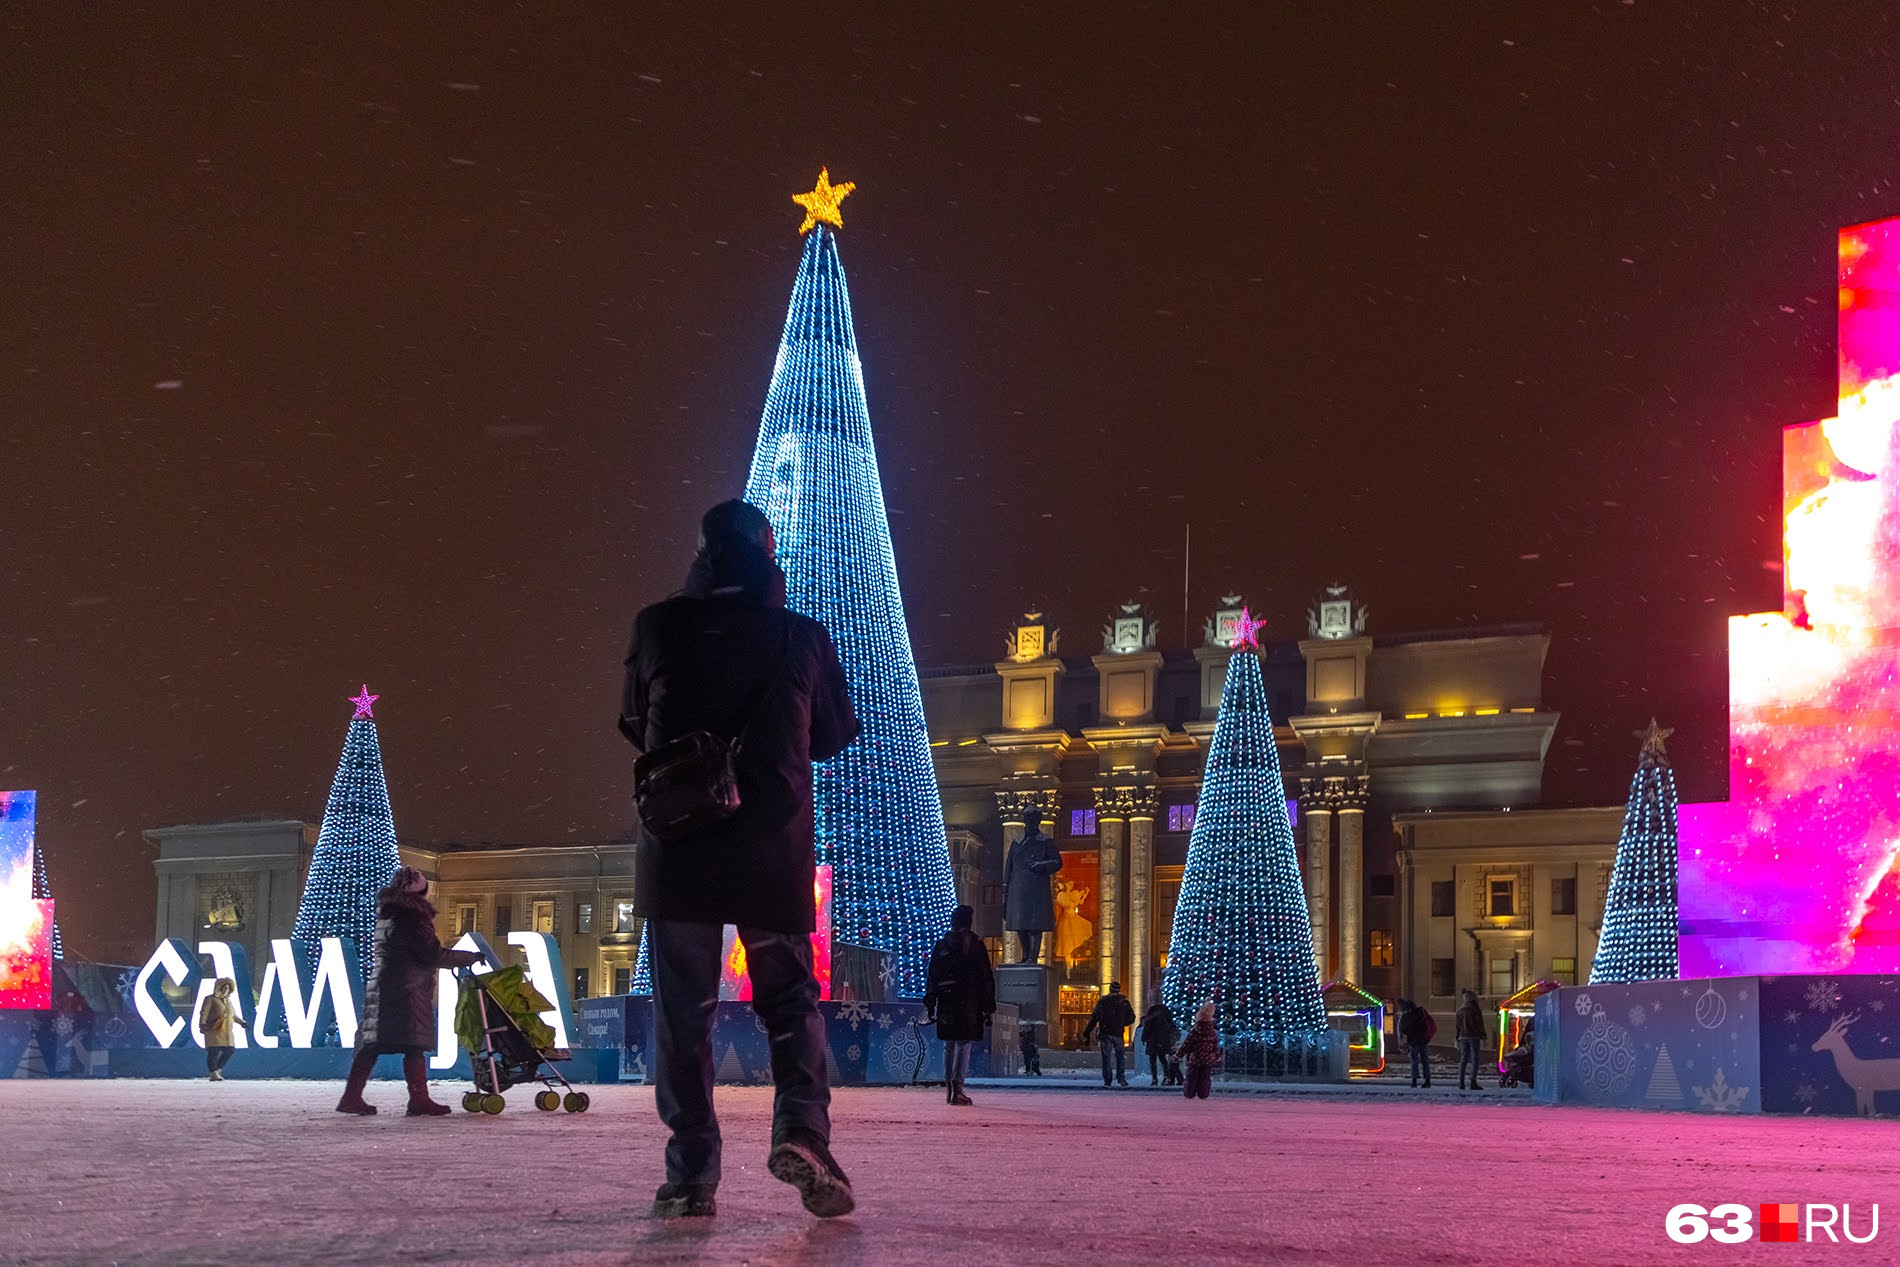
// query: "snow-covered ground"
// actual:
[[261, 1172]]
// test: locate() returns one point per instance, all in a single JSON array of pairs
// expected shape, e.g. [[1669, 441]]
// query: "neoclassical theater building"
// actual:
[[1414, 764]]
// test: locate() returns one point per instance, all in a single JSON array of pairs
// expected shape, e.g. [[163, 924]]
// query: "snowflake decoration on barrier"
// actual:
[[1638, 1015], [1719, 1096], [852, 1011], [1824, 996], [1582, 1005]]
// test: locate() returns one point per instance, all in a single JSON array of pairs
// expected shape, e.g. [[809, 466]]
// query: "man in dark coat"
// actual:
[[399, 1006], [1470, 1020], [1113, 1014], [1029, 907], [960, 996], [725, 656]]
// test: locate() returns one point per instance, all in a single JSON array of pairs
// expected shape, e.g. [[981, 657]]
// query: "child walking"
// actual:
[[1201, 1050]]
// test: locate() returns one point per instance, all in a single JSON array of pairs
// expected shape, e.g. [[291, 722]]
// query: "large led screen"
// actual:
[[26, 922], [1796, 872]]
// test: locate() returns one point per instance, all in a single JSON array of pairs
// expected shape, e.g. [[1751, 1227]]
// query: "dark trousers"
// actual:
[[1032, 1060], [1421, 1065], [1468, 1051], [217, 1057], [685, 963], [1199, 1082], [1157, 1065], [415, 1073], [1031, 944], [956, 1060], [1112, 1043]]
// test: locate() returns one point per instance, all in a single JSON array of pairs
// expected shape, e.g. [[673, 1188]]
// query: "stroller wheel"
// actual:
[[574, 1101], [471, 1102], [547, 1101], [493, 1104]]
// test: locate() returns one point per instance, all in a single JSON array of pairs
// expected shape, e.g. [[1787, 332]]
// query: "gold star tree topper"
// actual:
[[821, 204], [1653, 740]]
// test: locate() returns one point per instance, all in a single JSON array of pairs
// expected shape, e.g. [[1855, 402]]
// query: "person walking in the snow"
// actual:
[[1032, 1054], [1416, 1027], [725, 660], [1159, 1037], [1201, 1052], [1470, 1038], [1112, 1016], [217, 1020], [959, 995], [399, 1006]]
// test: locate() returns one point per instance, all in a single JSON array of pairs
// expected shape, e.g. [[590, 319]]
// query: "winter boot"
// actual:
[[415, 1071], [353, 1101], [804, 1161], [685, 1201], [958, 1098]]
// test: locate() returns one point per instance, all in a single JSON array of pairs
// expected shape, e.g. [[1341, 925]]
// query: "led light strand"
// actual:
[[1638, 942], [1241, 930], [355, 856]]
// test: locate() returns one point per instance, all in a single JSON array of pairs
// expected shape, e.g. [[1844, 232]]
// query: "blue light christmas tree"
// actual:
[[42, 890], [814, 474], [1638, 942], [355, 855], [1241, 930]]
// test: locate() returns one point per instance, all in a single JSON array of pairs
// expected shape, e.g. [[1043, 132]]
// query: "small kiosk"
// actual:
[[1515, 1013], [1361, 1017]]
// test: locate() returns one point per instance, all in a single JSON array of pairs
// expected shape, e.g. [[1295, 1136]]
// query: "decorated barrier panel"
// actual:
[[1791, 1044]]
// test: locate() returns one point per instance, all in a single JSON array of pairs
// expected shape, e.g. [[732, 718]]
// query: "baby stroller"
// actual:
[[498, 1022], [1518, 1067]]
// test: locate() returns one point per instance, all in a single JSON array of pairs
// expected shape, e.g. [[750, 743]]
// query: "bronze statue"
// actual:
[[1029, 905]]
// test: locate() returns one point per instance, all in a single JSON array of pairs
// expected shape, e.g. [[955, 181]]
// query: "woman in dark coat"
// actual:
[[1159, 1034], [960, 995], [399, 1007]]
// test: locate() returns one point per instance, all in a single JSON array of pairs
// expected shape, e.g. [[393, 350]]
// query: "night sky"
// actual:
[[372, 348]]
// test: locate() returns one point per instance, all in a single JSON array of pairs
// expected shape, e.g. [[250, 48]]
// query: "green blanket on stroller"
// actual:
[[508, 987]]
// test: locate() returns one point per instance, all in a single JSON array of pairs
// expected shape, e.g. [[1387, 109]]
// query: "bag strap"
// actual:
[[765, 692]]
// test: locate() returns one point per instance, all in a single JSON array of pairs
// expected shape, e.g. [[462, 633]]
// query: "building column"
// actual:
[[1111, 814], [1141, 858], [1352, 887], [1317, 876]]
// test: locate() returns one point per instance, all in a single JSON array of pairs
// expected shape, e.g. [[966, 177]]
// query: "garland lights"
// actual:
[[355, 855], [1241, 930], [1639, 917]]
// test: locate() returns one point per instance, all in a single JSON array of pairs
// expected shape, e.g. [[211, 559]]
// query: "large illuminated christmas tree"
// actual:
[[814, 474], [356, 847], [1638, 942], [1241, 930]]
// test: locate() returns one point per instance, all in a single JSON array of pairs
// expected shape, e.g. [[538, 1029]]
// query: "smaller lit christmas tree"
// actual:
[[1639, 916], [355, 855], [42, 890], [1241, 930]]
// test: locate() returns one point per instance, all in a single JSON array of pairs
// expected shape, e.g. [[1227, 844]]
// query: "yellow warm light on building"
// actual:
[[1451, 712], [1416, 716], [964, 743], [1486, 712]]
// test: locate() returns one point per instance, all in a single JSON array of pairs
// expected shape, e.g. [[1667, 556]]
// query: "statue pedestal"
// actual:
[[1030, 987]]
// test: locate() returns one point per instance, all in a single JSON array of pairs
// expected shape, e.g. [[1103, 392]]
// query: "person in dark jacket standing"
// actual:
[[1415, 1027], [1113, 1014], [726, 656], [1159, 1036], [1032, 1054], [1470, 1021], [1029, 904], [399, 1006], [959, 995]]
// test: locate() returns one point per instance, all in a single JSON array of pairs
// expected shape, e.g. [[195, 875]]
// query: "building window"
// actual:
[[1381, 949], [623, 979], [992, 895], [1081, 822], [1444, 978], [1563, 895], [583, 917], [1181, 817], [1444, 897], [1503, 899], [464, 919], [504, 920], [623, 920], [1382, 886], [1564, 971], [580, 983], [995, 947], [542, 918], [1504, 976]]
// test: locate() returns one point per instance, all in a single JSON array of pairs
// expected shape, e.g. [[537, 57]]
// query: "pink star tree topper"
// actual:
[[1247, 631], [363, 703]]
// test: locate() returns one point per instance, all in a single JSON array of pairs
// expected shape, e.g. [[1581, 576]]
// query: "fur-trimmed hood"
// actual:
[[394, 901]]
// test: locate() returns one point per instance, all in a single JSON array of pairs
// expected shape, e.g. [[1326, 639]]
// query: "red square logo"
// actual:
[[1781, 1222]]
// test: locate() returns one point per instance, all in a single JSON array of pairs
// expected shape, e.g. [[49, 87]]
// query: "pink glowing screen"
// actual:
[[1797, 871], [734, 983], [26, 922]]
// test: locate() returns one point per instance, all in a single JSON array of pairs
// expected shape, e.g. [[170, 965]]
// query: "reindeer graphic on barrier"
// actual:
[[1865, 1076]]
